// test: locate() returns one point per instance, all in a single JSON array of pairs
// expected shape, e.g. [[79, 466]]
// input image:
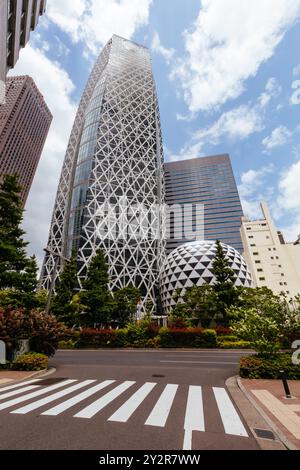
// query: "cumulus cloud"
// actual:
[[94, 21], [289, 199], [253, 190], [279, 137], [227, 44], [157, 47], [57, 87], [234, 125]]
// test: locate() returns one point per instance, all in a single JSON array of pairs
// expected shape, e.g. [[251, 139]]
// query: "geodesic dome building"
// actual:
[[191, 265]]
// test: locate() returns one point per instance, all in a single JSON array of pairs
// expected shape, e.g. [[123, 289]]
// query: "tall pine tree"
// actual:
[[96, 297], [224, 287], [62, 304], [17, 271]]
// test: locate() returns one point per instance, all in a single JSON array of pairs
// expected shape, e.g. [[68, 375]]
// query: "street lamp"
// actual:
[[57, 257]]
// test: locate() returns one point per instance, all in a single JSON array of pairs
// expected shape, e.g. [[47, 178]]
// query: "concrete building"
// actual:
[[17, 19], [272, 262], [207, 181], [24, 124], [111, 188]]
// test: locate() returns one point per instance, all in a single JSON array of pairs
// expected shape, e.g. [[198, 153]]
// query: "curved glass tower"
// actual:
[[111, 191]]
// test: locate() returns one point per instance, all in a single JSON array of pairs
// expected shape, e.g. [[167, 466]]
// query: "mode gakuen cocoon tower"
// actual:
[[111, 188]]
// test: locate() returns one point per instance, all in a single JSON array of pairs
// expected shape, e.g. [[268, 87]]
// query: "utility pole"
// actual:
[[57, 257]]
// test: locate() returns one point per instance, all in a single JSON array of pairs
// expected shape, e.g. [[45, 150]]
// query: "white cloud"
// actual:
[[289, 199], [227, 44], [57, 87], [296, 70], [295, 98], [253, 190], [236, 124], [156, 46], [94, 21], [279, 137]]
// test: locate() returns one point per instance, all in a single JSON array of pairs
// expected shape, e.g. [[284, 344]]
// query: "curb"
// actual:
[[254, 417], [281, 436], [40, 373], [158, 350]]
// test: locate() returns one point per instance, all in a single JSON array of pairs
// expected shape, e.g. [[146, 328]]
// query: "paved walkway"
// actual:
[[269, 395], [7, 376]]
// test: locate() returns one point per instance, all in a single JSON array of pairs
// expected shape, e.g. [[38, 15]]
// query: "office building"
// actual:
[[24, 124], [273, 262], [112, 175], [208, 182], [17, 19]]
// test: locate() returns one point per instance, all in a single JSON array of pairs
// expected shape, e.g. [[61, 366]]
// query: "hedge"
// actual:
[[269, 367], [31, 362], [146, 337], [234, 345]]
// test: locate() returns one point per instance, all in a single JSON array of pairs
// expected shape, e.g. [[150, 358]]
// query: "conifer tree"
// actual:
[[13, 257], [96, 297], [224, 287], [65, 291]]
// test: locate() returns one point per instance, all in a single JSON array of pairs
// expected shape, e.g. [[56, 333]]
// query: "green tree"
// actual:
[[62, 306], [18, 272], [125, 305], [224, 287], [96, 297], [277, 320], [13, 257]]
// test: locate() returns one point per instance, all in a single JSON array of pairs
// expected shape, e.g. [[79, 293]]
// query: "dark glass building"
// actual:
[[207, 181], [24, 124]]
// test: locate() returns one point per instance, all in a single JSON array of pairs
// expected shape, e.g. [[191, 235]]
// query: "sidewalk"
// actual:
[[8, 377], [282, 414]]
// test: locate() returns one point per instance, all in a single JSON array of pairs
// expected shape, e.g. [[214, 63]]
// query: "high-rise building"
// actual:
[[273, 262], [111, 186], [24, 124], [17, 19], [207, 181]]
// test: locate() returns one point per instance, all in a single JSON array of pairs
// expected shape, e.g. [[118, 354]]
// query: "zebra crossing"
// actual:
[[34, 396]]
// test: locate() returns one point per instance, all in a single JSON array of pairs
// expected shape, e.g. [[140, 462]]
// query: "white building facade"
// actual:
[[111, 189], [273, 262]]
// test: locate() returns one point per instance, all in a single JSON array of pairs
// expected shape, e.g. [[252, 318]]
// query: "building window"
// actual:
[[253, 244], [262, 278], [251, 236], [249, 228], [255, 253], [257, 261], [272, 257], [282, 274], [270, 249], [260, 270]]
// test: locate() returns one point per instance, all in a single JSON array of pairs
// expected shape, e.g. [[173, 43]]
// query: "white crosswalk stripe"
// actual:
[[161, 411], [194, 414], [16, 401], [231, 420], [73, 401], [20, 384], [123, 414], [44, 401], [98, 405]]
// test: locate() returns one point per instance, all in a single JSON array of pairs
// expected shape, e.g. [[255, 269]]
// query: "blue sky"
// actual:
[[228, 80]]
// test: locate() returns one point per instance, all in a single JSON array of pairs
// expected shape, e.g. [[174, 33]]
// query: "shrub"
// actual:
[[31, 362], [230, 338], [92, 338], [234, 345], [222, 330], [67, 344], [269, 367], [187, 338], [43, 331]]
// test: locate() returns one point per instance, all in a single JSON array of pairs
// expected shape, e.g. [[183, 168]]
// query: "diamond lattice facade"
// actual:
[[191, 265], [111, 187]]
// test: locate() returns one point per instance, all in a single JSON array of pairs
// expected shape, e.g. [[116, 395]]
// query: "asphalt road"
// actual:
[[127, 400]]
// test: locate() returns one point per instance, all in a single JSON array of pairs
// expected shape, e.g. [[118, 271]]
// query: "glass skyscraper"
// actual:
[[207, 181], [111, 187]]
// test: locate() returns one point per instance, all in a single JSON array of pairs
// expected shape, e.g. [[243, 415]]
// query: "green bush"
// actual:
[[187, 338], [67, 344], [234, 345], [269, 367], [226, 338], [91, 338], [31, 362]]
